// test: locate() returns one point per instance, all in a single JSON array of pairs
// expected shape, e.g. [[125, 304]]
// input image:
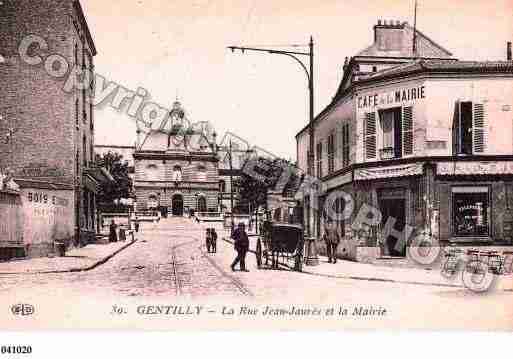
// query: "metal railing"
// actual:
[[386, 153]]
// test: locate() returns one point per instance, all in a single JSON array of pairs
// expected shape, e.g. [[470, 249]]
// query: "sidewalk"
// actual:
[[381, 272], [76, 260]]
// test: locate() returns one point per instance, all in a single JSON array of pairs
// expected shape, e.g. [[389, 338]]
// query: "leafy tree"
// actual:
[[119, 169], [254, 191]]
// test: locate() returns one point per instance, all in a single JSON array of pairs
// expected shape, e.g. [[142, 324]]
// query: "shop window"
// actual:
[[470, 210], [468, 128]]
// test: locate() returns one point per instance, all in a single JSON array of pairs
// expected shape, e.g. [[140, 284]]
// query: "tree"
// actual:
[[119, 169], [254, 191]]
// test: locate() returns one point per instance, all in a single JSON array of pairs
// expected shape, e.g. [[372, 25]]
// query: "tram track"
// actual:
[[178, 273]]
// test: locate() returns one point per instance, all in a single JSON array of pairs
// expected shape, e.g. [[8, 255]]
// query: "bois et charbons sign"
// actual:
[[392, 97]]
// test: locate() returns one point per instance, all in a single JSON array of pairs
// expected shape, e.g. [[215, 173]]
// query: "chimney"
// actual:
[[389, 35], [508, 51]]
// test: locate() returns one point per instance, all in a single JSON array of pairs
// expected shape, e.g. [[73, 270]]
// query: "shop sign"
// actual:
[[389, 171], [41, 170], [474, 168], [393, 97]]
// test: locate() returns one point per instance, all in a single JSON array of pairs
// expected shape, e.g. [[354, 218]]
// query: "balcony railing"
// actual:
[[386, 153]]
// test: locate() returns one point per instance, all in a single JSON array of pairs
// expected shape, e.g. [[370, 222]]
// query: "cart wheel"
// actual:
[[259, 253]]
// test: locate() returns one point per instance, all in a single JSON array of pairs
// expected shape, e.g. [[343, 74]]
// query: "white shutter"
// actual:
[[407, 131], [479, 140], [370, 135]]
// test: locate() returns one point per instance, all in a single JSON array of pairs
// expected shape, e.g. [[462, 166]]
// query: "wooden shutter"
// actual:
[[407, 131], [456, 146], [370, 135], [478, 128]]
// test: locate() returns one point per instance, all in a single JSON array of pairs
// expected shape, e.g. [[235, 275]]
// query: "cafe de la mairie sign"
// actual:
[[393, 97]]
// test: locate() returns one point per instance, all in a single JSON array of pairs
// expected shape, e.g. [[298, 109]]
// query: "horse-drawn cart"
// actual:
[[281, 240]]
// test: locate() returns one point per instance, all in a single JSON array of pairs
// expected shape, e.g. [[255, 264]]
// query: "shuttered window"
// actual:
[[469, 128], [479, 128], [407, 131], [370, 135], [331, 153], [345, 145]]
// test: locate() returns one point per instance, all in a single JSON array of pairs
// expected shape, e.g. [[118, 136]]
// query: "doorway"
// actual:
[[177, 205], [393, 208], [202, 204]]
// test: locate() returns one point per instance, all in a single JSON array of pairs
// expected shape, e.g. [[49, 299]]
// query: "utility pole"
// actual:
[[231, 186], [311, 249], [415, 31], [309, 72]]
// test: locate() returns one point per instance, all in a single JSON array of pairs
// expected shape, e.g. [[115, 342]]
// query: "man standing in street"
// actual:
[[332, 239], [241, 243]]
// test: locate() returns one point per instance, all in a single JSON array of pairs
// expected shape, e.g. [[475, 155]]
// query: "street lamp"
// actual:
[[309, 72]]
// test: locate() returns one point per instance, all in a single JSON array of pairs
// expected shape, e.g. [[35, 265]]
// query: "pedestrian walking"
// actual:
[[113, 236], [332, 240], [213, 236], [208, 240], [136, 224], [241, 244]]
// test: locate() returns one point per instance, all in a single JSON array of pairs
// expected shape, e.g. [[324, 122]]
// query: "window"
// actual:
[[76, 112], [84, 150], [345, 145], [468, 128], [331, 153], [387, 128], [153, 201], [310, 163], [152, 172], [470, 211], [319, 160], [177, 174], [370, 135], [393, 133], [222, 186], [201, 205]]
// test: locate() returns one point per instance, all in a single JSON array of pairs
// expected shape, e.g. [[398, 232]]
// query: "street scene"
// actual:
[[165, 178]]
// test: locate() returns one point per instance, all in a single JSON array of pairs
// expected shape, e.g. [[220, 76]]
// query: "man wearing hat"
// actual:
[[241, 244]]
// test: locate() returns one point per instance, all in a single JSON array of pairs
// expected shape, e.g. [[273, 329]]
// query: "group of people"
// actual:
[[113, 233]]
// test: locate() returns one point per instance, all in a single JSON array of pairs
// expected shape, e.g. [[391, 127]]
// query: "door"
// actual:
[[393, 208], [177, 205], [202, 204]]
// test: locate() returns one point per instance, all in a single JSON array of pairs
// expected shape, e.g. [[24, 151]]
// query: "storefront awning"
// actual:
[[388, 171]]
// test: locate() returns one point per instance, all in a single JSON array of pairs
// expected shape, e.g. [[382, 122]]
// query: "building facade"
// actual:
[[426, 142], [50, 147], [176, 169]]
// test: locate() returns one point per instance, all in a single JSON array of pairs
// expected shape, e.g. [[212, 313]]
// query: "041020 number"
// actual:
[[15, 349]]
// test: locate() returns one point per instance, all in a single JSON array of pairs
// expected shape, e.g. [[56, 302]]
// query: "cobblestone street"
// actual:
[[169, 263]]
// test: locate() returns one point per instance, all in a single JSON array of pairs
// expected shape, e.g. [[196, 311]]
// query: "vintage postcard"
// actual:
[[256, 165]]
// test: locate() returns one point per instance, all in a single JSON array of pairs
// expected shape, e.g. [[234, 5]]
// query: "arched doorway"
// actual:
[[177, 205], [202, 204]]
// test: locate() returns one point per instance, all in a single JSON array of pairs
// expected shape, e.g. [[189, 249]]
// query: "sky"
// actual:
[[178, 49]]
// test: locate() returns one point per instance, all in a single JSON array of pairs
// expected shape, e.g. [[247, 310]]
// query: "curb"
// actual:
[[371, 279], [75, 270]]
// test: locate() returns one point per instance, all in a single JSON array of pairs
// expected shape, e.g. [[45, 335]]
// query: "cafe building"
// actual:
[[425, 147]]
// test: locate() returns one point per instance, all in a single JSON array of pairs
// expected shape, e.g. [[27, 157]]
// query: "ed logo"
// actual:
[[22, 309]]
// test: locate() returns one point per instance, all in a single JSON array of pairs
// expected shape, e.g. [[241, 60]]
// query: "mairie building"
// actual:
[[423, 139]]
